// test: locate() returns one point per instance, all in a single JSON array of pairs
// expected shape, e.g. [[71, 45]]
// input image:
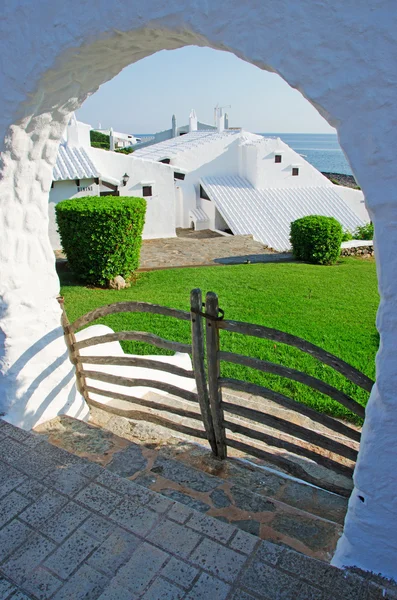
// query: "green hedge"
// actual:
[[316, 239], [99, 140], [365, 232], [101, 236]]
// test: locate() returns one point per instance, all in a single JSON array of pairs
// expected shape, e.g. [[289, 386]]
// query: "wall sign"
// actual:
[[87, 188]]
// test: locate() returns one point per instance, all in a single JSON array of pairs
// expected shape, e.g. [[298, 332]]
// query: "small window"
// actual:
[[166, 161], [146, 190], [295, 171], [203, 194], [277, 158], [179, 175]]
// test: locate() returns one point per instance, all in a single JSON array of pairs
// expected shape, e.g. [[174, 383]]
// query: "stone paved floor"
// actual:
[[194, 248], [70, 530]]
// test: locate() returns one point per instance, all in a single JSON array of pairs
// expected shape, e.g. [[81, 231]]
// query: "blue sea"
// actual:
[[322, 150]]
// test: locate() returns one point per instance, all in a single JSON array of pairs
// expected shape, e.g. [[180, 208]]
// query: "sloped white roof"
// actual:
[[73, 163], [199, 214], [267, 213], [175, 146]]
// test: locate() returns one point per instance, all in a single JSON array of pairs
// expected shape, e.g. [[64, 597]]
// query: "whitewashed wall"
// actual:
[[63, 190], [341, 56], [355, 200]]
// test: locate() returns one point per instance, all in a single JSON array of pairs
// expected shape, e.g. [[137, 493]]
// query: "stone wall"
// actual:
[[364, 251]]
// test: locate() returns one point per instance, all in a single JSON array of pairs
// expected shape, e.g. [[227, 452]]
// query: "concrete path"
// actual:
[[70, 530]]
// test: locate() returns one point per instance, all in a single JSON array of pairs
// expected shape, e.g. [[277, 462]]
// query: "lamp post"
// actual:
[[125, 179]]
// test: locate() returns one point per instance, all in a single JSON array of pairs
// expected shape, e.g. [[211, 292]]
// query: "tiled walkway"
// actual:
[[70, 530]]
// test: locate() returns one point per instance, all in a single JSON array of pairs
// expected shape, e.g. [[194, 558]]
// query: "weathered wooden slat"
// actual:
[[270, 440], [288, 465], [135, 361], [144, 402], [133, 414], [288, 403], [119, 307], [292, 429], [276, 369], [336, 363], [199, 366], [132, 382], [137, 336], [213, 367], [73, 352]]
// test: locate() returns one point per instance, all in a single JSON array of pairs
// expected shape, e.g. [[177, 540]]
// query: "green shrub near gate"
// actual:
[[316, 239], [101, 236]]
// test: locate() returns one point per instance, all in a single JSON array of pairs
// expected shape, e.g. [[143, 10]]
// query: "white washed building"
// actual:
[[226, 180]]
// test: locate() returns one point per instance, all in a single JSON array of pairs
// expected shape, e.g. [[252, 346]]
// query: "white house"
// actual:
[[222, 179]]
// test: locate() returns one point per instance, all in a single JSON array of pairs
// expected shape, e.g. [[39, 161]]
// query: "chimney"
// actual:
[[226, 121], [111, 139], [220, 120], [192, 120], [173, 126]]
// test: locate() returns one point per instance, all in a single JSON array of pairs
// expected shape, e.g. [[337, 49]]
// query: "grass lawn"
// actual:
[[333, 307]]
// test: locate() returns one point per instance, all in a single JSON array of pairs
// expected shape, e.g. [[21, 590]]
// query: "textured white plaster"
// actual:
[[342, 56]]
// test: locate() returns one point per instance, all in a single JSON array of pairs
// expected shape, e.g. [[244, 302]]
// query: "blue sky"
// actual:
[[145, 95]]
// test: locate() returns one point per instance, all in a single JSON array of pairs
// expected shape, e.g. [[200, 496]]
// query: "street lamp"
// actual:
[[125, 179]]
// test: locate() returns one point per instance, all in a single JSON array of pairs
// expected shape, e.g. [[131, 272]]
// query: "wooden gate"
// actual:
[[217, 415]]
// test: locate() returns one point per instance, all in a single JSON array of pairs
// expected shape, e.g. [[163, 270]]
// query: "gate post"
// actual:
[[198, 365], [213, 366]]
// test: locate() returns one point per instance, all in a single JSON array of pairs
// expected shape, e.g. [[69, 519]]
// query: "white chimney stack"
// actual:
[[192, 120], [220, 120], [111, 139], [173, 126]]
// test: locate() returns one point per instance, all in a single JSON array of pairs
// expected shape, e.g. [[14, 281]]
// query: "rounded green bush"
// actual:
[[316, 239], [101, 236]]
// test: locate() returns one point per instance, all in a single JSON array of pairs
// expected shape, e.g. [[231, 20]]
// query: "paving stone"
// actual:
[[10, 506], [32, 489], [71, 554], [186, 500], [135, 518], [219, 499], [114, 552], [314, 533], [99, 498], [180, 513], [310, 570], [10, 479], [308, 592], [316, 501], [146, 480], [35, 464], [20, 596], [42, 584], [244, 542], [163, 589], [11, 451], [141, 568], [33, 440], [64, 522], [85, 584], [345, 586], [220, 561], [270, 553], [5, 588], [264, 579], [211, 527], [180, 572], [180, 473], [250, 525], [116, 592], [127, 462], [115, 483], [158, 503], [97, 527], [174, 538], [14, 432], [25, 560], [67, 480], [208, 587], [43, 508], [12, 536], [246, 500], [241, 595]]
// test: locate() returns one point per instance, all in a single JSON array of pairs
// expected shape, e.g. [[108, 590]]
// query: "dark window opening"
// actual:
[[203, 194], [277, 158], [115, 193], [179, 175], [295, 171], [183, 133], [166, 161], [146, 190]]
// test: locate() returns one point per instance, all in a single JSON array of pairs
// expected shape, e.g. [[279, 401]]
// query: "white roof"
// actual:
[[267, 213], [174, 146], [73, 163]]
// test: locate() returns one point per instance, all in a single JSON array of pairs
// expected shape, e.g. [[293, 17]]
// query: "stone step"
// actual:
[[266, 504]]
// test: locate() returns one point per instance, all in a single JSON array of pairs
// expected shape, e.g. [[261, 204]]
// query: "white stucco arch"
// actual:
[[340, 55]]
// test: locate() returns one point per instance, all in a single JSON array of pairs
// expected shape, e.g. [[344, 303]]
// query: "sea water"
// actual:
[[322, 150]]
